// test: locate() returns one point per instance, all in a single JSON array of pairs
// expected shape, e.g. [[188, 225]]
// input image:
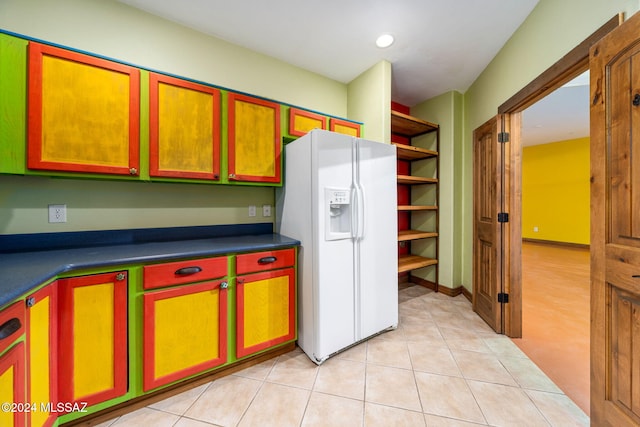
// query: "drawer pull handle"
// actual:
[[9, 327], [187, 271], [267, 260]]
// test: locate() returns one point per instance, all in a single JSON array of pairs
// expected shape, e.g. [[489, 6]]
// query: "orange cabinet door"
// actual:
[[185, 332], [92, 358], [345, 127], [42, 350], [184, 131], [254, 139], [302, 121], [265, 310], [12, 389], [83, 113]]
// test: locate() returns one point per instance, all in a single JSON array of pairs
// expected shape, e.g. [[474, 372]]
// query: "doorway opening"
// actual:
[[555, 237]]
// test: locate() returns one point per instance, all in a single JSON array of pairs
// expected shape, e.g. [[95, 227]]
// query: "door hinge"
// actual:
[[503, 298], [503, 137], [503, 217]]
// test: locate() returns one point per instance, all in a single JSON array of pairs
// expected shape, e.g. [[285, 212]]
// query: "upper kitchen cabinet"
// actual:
[[302, 121], [184, 129], [254, 140], [83, 113], [345, 127]]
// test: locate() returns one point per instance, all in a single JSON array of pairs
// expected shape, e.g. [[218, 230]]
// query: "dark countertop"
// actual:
[[24, 271]]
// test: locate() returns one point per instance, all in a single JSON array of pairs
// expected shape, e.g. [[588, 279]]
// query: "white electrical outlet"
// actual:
[[266, 210], [252, 210], [57, 213]]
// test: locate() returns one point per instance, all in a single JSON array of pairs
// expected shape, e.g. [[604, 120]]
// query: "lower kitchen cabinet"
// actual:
[[185, 331], [92, 365], [94, 342], [42, 335], [265, 301], [12, 366], [12, 387]]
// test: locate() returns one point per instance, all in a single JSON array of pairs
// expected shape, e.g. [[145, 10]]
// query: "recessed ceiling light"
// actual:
[[384, 40]]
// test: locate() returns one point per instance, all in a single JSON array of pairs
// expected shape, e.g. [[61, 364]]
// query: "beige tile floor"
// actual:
[[442, 367]]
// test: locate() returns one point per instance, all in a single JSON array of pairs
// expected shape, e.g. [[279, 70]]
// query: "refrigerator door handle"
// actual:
[[354, 213], [361, 213]]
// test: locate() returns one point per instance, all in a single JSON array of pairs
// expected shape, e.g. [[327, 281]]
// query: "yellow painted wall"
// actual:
[[555, 191]]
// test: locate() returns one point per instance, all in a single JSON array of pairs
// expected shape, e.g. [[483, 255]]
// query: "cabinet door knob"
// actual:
[[232, 176], [224, 285], [133, 171], [121, 276]]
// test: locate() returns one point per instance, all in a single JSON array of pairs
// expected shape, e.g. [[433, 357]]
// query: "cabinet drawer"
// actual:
[[11, 324], [175, 273], [262, 261]]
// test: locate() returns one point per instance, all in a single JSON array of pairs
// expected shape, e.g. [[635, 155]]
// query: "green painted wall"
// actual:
[[118, 31], [552, 29], [446, 110], [369, 102], [556, 204]]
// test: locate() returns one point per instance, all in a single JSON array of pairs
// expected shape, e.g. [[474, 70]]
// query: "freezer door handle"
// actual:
[[354, 212], [361, 213], [358, 212]]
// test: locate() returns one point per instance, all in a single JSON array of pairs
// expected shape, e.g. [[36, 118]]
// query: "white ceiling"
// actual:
[[441, 45], [560, 116]]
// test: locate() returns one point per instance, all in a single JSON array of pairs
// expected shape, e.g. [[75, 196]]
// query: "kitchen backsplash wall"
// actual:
[[110, 205]]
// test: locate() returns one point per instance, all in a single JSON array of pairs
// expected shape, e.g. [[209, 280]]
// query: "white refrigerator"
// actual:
[[339, 200]]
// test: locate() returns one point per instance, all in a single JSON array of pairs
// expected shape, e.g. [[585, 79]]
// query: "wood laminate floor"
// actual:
[[555, 315]]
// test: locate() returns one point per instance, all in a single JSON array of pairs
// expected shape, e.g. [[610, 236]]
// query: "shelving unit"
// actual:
[[404, 129]]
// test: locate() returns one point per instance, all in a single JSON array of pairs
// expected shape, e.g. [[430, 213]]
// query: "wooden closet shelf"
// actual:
[[417, 208], [404, 235], [408, 126], [413, 262], [415, 180], [409, 152]]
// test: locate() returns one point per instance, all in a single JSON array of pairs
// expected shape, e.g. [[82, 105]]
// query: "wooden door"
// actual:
[[615, 227], [488, 169]]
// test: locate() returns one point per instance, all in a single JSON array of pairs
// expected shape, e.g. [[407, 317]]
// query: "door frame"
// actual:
[[564, 70]]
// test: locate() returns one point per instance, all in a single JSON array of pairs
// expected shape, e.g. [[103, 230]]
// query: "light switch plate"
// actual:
[[266, 210]]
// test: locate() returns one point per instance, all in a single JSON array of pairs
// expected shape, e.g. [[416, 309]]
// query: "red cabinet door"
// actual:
[[12, 390], [92, 337], [254, 139], [42, 353], [83, 113], [185, 332], [265, 310], [184, 130]]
